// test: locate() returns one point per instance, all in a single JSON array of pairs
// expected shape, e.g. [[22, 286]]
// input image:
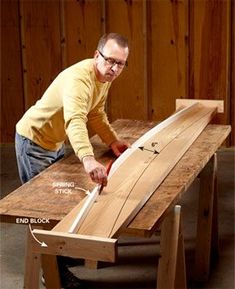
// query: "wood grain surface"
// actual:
[[39, 199]]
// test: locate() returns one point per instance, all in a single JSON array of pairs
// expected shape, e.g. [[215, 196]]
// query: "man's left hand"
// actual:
[[119, 146]]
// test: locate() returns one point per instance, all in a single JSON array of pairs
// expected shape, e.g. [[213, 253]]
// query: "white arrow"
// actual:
[[81, 189], [41, 243]]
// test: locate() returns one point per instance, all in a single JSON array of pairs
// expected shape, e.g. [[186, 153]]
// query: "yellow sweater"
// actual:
[[74, 101]]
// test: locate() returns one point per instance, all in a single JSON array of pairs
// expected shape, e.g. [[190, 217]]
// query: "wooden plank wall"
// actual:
[[232, 78], [169, 65], [128, 97], [210, 43], [41, 49], [82, 25], [12, 97], [179, 49]]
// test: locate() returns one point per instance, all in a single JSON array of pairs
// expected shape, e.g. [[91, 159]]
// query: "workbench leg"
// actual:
[[91, 264], [215, 231], [180, 280], [171, 268], [207, 224], [32, 265], [50, 272]]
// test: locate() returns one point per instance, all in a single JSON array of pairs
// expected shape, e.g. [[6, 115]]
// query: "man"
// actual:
[[73, 104]]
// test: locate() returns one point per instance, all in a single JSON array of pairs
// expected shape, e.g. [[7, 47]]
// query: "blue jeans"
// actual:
[[33, 159]]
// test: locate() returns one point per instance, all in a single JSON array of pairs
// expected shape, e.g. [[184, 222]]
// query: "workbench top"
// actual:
[[54, 192]]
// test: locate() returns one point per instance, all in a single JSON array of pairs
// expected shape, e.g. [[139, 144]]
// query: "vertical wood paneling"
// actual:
[[232, 79], [169, 55], [57, 33], [83, 27], [12, 100], [210, 52], [127, 98], [41, 46]]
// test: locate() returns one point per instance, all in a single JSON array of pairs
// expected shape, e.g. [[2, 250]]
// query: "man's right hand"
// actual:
[[96, 171]]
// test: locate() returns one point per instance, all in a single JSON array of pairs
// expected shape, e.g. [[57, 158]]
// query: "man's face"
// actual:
[[110, 62]]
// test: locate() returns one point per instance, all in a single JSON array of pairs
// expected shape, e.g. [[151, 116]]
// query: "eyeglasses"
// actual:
[[111, 61]]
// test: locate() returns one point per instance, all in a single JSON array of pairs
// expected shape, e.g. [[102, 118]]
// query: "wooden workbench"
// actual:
[[54, 192]]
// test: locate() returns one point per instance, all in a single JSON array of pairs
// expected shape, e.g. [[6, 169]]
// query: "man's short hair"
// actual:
[[120, 40]]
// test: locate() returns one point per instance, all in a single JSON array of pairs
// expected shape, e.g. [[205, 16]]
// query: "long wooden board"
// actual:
[[207, 102], [185, 118], [138, 176], [184, 113]]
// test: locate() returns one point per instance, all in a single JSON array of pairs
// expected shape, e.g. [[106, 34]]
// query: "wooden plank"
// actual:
[[119, 187], [77, 246], [84, 210], [128, 18], [219, 104], [169, 55], [12, 101], [209, 52], [77, 219], [232, 105], [60, 182], [86, 206], [41, 46], [165, 126], [149, 56], [161, 166], [202, 28], [36, 199], [66, 223], [82, 34], [179, 180], [164, 136]]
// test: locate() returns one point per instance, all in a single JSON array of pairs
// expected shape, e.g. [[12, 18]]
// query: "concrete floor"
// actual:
[[136, 266]]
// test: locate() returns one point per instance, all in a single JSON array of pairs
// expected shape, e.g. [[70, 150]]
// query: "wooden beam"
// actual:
[[67, 222], [130, 84], [205, 221], [219, 104], [169, 55], [180, 179], [12, 98], [84, 210], [181, 279], [209, 59], [91, 264], [74, 245], [169, 243], [157, 171], [50, 271], [39, 37], [32, 264], [157, 129], [129, 189], [130, 186]]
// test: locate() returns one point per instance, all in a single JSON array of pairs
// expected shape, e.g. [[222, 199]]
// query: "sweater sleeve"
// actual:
[[76, 107], [98, 122]]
